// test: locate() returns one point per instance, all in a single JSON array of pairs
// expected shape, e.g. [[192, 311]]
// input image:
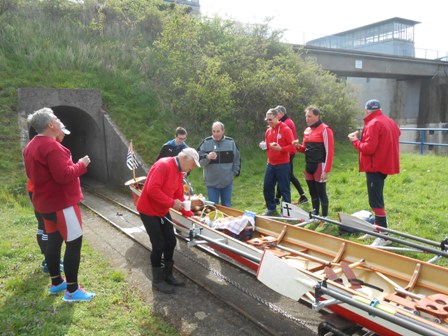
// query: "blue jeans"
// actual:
[[225, 194], [278, 174]]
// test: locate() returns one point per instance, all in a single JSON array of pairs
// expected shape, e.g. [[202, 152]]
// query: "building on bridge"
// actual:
[[379, 61], [394, 36]]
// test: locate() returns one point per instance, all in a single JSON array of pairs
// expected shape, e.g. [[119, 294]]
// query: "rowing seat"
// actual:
[[409, 304], [332, 275], [262, 241], [436, 304]]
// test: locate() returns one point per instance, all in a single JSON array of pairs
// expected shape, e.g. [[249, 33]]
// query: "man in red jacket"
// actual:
[[163, 190], [57, 193], [379, 156], [278, 139]]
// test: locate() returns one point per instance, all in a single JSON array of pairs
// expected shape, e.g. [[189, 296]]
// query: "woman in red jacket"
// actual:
[[318, 146]]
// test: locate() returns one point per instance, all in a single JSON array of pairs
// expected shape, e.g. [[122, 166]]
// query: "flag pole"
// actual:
[[133, 166]]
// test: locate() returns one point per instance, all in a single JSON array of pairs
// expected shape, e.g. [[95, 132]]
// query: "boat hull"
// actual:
[[312, 253]]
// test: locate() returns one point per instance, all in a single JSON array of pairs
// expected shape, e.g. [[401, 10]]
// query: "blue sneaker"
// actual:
[[57, 289], [79, 295]]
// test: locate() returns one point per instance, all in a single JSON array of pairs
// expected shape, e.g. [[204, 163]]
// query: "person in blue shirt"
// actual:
[[174, 146]]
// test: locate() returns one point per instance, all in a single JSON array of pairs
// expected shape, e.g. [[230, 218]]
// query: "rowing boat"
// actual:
[[384, 292], [381, 291]]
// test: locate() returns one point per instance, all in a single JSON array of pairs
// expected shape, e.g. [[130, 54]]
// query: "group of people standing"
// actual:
[[281, 144], [55, 190]]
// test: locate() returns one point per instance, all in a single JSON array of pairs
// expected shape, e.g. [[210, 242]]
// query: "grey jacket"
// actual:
[[219, 173]]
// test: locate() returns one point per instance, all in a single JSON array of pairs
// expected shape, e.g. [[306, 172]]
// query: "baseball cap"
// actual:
[[373, 104], [191, 152], [64, 129], [281, 109]]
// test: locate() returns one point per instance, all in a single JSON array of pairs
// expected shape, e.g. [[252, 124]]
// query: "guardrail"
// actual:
[[422, 143]]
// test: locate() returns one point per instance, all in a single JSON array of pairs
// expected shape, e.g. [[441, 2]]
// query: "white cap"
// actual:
[[64, 129], [191, 152]]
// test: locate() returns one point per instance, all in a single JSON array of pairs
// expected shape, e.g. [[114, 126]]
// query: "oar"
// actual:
[[355, 222], [396, 240]]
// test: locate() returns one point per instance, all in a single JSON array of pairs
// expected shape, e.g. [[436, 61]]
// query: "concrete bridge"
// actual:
[[413, 91], [348, 63]]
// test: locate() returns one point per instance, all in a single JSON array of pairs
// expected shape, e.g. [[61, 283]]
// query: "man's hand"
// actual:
[[85, 160], [353, 136]]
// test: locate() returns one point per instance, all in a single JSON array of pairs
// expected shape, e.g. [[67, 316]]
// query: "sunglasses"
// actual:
[[268, 119]]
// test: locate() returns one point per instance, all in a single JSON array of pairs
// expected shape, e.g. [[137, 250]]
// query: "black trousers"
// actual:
[[162, 237]]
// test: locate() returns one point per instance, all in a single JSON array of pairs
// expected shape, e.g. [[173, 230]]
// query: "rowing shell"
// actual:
[[382, 291]]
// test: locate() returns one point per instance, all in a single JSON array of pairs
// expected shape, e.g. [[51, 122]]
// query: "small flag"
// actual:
[[131, 162]]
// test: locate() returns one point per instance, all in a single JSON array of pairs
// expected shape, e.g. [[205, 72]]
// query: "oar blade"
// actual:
[[283, 278], [290, 210], [355, 222]]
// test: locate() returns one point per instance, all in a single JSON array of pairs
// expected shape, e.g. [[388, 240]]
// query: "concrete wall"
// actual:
[[92, 131]]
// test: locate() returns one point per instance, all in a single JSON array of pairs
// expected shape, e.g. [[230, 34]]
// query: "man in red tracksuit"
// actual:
[[163, 190], [278, 138], [379, 156]]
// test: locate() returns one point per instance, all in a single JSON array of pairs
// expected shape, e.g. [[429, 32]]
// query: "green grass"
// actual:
[[27, 309]]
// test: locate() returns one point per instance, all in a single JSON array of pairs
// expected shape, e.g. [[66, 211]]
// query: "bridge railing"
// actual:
[[423, 135]]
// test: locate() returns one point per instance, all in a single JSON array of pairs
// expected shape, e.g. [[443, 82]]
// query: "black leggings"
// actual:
[[72, 256], [318, 193], [161, 235]]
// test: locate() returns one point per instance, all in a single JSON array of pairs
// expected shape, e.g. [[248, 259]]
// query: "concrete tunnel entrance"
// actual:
[[92, 131]]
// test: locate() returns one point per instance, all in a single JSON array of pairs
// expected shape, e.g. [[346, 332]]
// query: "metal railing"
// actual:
[[422, 143]]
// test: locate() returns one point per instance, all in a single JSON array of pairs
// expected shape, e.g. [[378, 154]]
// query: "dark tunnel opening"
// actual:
[[85, 139]]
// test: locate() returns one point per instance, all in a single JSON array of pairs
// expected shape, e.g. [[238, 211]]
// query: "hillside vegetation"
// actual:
[[158, 67]]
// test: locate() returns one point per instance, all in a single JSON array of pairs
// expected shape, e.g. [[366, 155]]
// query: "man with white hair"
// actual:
[[57, 193], [163, 190]]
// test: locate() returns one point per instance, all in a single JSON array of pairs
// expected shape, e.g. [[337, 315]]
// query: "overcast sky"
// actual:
[[307, 20]]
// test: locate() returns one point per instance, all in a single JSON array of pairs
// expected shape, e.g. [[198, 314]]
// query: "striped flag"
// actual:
[[131, 162]]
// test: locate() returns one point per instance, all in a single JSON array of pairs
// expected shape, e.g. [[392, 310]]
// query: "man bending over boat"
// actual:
[[163, 190], [379, 156]]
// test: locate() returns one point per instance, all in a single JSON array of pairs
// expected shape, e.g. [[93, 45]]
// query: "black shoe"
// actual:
[[302, 199]]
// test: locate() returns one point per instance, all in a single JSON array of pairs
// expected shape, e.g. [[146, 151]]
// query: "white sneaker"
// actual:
[[366, 236], [381, 242]]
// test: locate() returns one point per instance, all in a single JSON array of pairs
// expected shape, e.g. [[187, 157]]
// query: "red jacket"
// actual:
[[55, 177], [379, 147], [282, 135], [163, 185]]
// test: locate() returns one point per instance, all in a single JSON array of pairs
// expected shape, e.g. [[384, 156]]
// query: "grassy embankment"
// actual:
[[415, 199]]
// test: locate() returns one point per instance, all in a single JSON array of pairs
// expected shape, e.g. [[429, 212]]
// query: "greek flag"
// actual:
[[131, 162]]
